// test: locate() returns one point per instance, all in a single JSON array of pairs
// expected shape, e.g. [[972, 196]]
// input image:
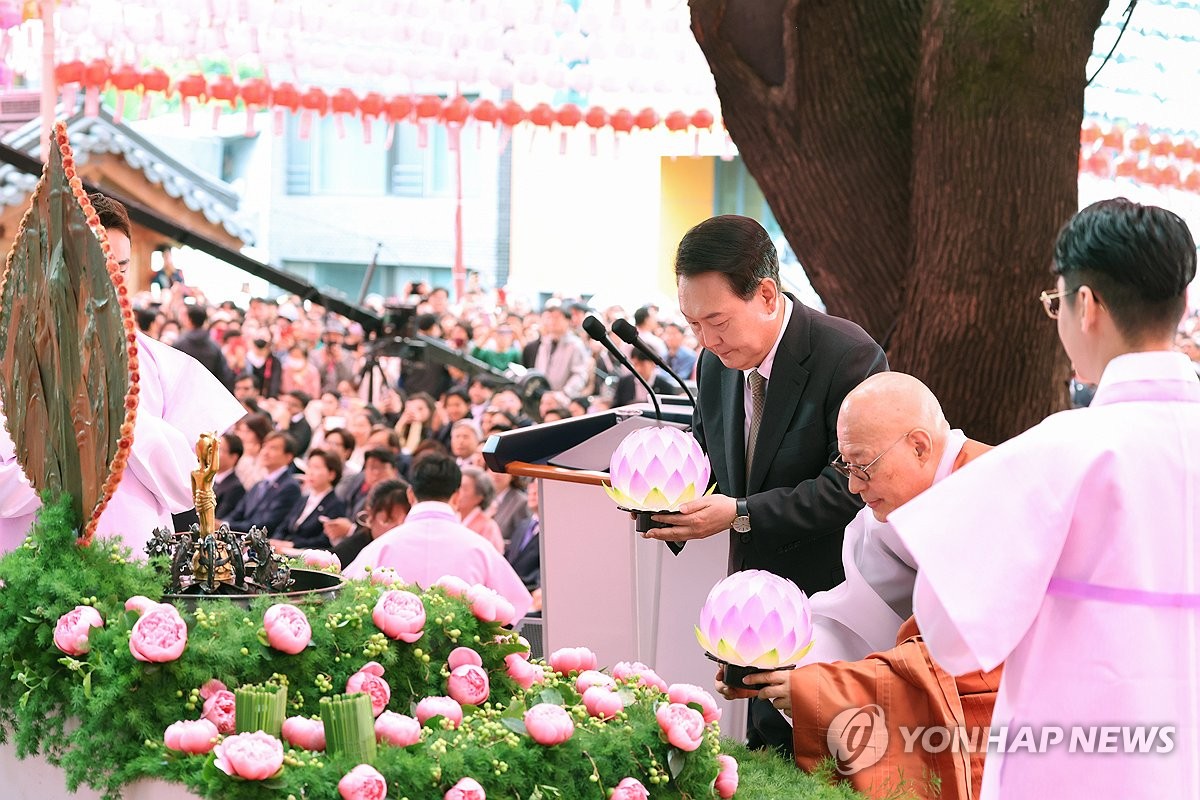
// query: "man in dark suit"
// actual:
[[770, 381], [630, 390], [227, 486], [198, 343], [298, 428], [269, 500], [524, 551]]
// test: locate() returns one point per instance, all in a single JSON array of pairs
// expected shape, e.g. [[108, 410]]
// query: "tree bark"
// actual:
[[920, 156]]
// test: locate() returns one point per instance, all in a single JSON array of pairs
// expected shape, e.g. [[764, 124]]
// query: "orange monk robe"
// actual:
[[912, 691]]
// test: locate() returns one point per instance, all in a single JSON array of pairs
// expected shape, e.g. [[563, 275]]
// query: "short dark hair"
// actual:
[[1138, 259], [380, 454], [435, 477], [254, 379], [332, 461], [197, 316], [162, 247], [112, 213], [737, 247], [393, 437], [425, 322], [289, 444], [145, 318], [233, 443], [641, 315], [260, 424], [387, 495], [300, 395], [461, 394]]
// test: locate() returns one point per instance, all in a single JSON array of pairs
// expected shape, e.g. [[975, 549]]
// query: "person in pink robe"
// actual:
[[1072, 552], [179, 400], [432, 542]]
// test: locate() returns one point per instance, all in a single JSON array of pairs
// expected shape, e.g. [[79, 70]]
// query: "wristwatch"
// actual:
[[741, 523]]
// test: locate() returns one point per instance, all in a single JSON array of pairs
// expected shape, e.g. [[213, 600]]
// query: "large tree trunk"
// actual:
[[920, 156]]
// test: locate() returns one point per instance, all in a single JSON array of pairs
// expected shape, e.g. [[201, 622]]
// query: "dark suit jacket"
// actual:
[[512, 513], [266, 504], [627, 387], [229, 493], [311, 531], [301, 432], [526, 561], [199, 345], [799, 506]]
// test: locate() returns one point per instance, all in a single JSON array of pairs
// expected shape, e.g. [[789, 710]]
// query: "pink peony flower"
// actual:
[[211, 687], [447, 707], [465, 789], [369, 679], [630, 789], [602, 702], [364, 782], [463, 655], [624, 670], [160, 635], [287, 627], [521, 671], [253, 756], [468, 684], [549, 724], [321, 559], [385, 576], [219, 709], [686, 693], [453, 585], [400, 615], [683, 726], [727, 780], [139, 603], [397, 730], [192, 736], [572, 659], [591, 677], [305, 733], [489, 606], [71, 632]]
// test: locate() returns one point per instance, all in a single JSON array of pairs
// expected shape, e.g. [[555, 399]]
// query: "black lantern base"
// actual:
[[736, 674]]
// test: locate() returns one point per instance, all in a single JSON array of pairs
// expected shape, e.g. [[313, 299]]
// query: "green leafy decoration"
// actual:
[[64, 353]]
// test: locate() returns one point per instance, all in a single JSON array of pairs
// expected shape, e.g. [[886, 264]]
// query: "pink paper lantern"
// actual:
[[755, 618]]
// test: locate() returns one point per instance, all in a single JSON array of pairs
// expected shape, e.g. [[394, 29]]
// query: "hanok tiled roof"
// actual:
[[215, 199]]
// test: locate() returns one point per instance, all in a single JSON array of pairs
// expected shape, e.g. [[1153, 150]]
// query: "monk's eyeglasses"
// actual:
[[860, 471]]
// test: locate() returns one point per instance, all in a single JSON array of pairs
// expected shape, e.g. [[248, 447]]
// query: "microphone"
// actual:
[[629, 335], [595, 329]]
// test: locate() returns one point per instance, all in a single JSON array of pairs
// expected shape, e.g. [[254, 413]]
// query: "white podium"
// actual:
[[625, 597]]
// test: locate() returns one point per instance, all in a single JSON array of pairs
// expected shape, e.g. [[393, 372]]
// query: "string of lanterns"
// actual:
[[1153, 158], [224, 94]]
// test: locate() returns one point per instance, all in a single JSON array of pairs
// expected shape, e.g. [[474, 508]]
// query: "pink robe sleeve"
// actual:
[[986, 541]]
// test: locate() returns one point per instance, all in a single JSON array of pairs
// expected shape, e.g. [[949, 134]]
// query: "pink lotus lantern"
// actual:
[[754, 621], [656, 470]]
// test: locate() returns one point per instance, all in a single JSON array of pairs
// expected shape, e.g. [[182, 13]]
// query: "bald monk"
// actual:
[[893, 443]]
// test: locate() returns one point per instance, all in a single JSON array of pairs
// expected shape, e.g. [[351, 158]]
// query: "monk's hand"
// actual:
[[697, 519], [774, 687], [729, 693]]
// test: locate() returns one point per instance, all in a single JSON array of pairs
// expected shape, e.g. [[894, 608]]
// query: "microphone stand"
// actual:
[[629, 334], [595, 329]]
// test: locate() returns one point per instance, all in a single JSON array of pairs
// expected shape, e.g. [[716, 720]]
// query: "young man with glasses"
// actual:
[[1072, 552]]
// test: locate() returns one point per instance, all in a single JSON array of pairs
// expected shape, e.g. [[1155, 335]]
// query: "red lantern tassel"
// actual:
[[186, 105], [422, 135], [368, 123], [453, 137], [119, 110], [250, 112], [144, 112], [305, 124], [279, 122]]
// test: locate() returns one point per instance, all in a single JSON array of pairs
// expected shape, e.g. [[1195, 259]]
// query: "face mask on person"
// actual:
[[295, 363], [169, 337]]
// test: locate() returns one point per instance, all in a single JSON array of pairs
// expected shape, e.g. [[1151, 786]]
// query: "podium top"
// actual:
[[547, 472]]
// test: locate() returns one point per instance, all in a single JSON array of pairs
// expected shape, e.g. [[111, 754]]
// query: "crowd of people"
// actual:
[[335, 425]]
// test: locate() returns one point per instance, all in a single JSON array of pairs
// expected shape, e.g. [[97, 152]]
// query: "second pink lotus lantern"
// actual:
[[755, 621], [656, 470]]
